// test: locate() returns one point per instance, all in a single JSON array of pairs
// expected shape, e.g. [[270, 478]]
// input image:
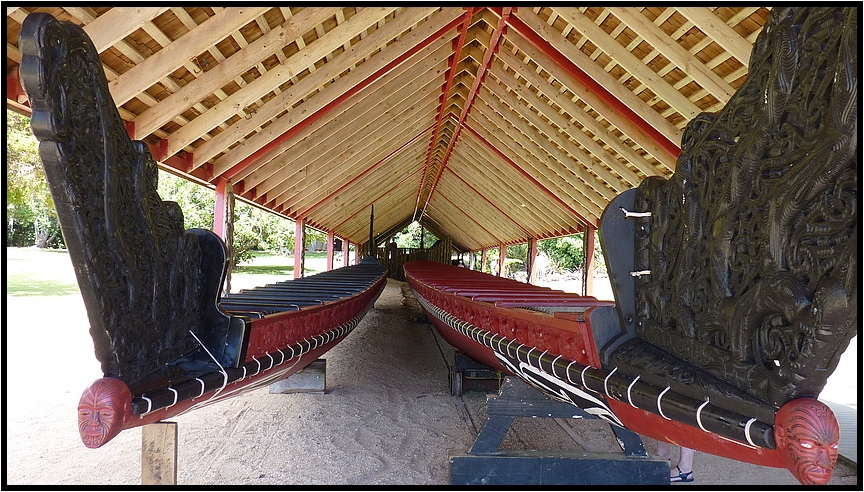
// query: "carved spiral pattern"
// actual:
[[140, 274], [752, 243]]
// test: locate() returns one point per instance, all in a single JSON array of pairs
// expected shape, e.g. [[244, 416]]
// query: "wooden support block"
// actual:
[[159, 454], [557, 468], [310, 379]]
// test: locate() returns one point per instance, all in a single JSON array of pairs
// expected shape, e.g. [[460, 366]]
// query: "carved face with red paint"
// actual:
[[807, 435], [102, 410]]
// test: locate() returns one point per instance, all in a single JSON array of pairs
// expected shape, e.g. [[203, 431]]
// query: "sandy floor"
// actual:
[[387, 417]]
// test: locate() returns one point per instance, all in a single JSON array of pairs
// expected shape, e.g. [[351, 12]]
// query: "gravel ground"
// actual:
[[386, 418]]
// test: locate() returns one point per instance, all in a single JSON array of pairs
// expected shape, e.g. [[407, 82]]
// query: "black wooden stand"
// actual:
[[485, 464], [466, 374]]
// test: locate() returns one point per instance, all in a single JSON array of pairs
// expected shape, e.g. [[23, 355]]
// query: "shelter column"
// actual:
[[330, 239], [223, 222], [346, 248], [299, 240], [588, 276], [502, 259], [532, 261], [482, 259]]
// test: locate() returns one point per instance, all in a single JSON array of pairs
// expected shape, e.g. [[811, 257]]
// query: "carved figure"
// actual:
[[735, 281], [166, 338]]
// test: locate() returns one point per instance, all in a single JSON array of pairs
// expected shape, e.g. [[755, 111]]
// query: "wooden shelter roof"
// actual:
[[490, 125]]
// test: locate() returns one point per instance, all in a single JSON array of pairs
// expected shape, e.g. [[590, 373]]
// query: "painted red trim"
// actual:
[[219, 207], [458, 44], [469, 102], [530, 178], [490, 202], [365, 172], [571, 68], [258, 154]]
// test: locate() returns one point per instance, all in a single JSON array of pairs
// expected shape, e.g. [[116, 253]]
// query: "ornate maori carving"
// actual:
[[103, 409], [752, 244], [145, 282], [807, 434]]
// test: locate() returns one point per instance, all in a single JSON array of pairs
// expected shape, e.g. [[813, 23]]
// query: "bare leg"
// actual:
[[685, 461], [664, 450]]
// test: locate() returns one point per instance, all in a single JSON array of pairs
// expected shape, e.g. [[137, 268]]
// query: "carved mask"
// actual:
[[102, 411], [807, 436]]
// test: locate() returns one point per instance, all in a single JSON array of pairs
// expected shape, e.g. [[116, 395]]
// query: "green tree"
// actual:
[[30, 215], [410, 236], [254, 228]]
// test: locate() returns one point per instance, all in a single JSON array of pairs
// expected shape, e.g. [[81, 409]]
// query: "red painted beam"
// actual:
[[458, 44], [365, 172], [607, 97], [494, 42], [406, 178], [530, 178], [258, 154], [528, 234]]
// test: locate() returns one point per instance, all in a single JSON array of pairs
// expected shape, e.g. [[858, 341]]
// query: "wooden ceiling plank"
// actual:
[[215, 78], [719, 32], [575, 112], [162, 63], [291, 166], [532, 213], [519, 215], [327, 171], [539, 145], [616, 182], [341, 207], [502, 187], [673, 52], [287, 189], [408, 81], [628, 62], [391, 156], [329, 94], [116, 24], [412, 116], [630, 111], [264, 84], [516, 155]]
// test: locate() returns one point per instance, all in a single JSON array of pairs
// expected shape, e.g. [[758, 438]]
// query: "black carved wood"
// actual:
[[752, 244], [146, 282]]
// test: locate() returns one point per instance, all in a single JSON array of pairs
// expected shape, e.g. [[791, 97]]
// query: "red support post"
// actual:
[[346, 248], [483, 259], [330, 238], [299, 239], [588, 277], [532, 261], [502, 259], [219, 207]]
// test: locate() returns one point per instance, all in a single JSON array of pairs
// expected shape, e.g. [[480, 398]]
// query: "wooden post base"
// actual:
[[159, 454]]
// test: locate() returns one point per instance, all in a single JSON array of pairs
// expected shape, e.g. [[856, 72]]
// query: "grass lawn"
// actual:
[[43, 272]]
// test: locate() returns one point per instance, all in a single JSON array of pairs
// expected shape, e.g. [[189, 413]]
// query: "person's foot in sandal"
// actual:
[[681, 476]]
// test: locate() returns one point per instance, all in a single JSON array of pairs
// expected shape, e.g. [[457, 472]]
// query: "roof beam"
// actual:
[[261, 86], [719, 31], [247, 153], [145, 74], [634, 66], [673, 52], [494, 43], [214, 79], [563, 53], [114, 25]]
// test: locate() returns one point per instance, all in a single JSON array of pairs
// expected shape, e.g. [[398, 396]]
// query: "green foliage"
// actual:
[[254, 229], [410, 236], [566, 254], [30, 215]]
